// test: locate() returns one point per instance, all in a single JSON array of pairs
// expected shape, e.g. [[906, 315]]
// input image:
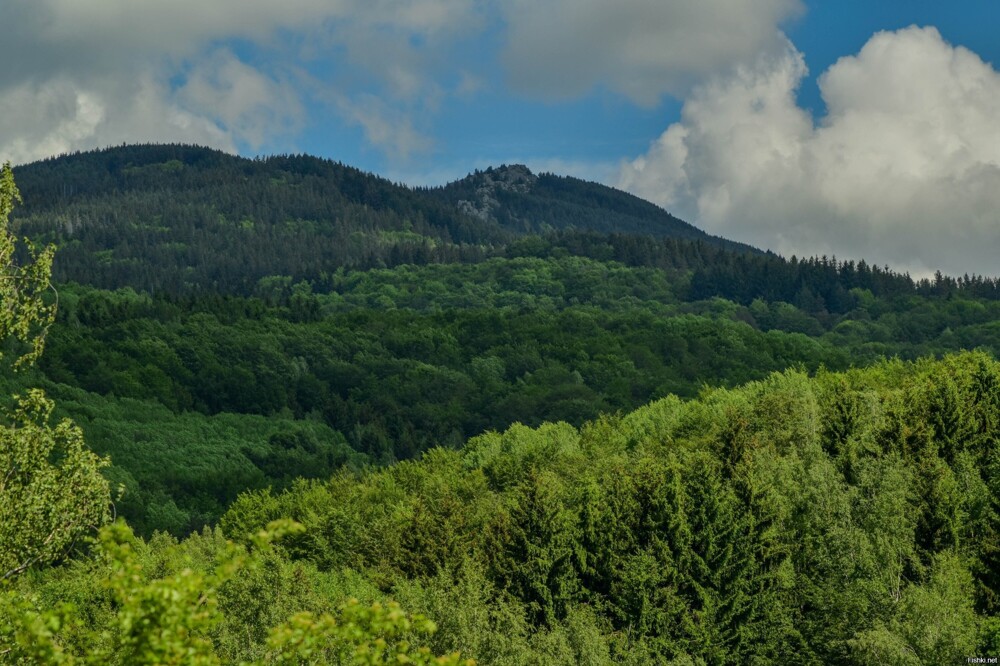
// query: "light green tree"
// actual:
[[24, 312], [51, 488], [171, 618]]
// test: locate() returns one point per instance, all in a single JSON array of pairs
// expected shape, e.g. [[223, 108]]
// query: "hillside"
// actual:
[[840, 519], [176, 219], [522, 201], [565, 444], [365, 332]]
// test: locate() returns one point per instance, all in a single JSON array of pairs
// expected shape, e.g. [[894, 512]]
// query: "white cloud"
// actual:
[[391, 131], [97, 72], [641, 48], [61, 115], [244, 101], [904, 169], [100, 30]]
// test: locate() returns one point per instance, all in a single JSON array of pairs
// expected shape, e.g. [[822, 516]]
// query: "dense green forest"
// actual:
[[560, 423], [391, 362], [849, 518], [177, 219]]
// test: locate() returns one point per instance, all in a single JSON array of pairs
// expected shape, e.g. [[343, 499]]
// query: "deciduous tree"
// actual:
[[51, 488]]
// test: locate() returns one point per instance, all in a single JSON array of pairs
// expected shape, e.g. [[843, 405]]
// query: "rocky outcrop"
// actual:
[[513, 178]]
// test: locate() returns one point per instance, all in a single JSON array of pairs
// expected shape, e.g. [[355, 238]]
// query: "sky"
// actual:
[[855, 129]]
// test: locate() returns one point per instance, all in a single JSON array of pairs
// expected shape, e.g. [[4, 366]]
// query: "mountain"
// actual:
[[512, 404], [521, 201], [175, 219]]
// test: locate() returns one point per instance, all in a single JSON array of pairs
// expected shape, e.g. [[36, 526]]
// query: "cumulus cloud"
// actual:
[[59, 115], [384, 127], [904, 169], [243, 101], [98, 73], [641, 48]]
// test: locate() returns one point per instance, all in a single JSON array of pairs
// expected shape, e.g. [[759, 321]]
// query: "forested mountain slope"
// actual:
[[345, 319], [565, 442], [530, 203], [842, 519], [173, 219], [176, 219]]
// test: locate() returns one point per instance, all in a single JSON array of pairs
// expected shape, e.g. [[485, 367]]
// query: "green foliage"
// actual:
[[387, 384], [308, 318], [933, 624], [536, 542], [421, 328], [51, 491], [787, 520], [173, 617], [361, 635], [782, 521], [25, 313], [163, 621], [181, 471]]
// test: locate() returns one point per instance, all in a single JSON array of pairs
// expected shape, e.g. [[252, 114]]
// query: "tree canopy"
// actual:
[[51, 489]]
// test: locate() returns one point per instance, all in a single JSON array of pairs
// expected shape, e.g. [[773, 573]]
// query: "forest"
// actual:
[[294, 413]]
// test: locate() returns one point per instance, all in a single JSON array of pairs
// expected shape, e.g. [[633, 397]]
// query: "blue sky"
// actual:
[[834, 28], [861, 129]]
